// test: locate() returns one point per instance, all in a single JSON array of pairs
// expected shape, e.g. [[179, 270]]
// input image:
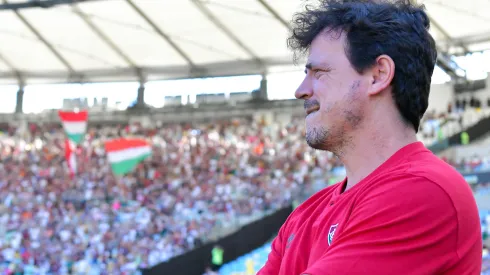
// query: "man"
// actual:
[[400, 209]]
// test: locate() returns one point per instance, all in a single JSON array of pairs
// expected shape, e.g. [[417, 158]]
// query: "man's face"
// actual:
[[334, 94]]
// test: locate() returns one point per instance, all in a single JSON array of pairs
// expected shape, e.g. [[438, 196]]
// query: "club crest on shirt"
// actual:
[[331, 232]]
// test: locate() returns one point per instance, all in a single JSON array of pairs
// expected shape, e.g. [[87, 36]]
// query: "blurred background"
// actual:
[[204, 88]]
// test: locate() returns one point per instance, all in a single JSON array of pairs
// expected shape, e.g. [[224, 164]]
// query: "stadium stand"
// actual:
[[203, 181], [209, 174], [198, 178], [436, 127]]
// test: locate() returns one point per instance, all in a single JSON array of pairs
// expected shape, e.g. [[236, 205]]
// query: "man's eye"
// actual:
[[317, 73]]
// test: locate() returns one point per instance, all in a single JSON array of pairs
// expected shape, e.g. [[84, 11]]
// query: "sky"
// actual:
[[282, 82]]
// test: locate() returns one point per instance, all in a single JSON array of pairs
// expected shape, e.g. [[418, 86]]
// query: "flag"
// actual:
[[75, 124], [124, 154], [70, 157]]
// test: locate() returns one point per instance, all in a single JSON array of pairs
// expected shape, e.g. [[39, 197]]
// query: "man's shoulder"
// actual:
[[434, 170], [450, 183], [429, 191], [432, 167], [424, 184], [421, 168], [420, 178]]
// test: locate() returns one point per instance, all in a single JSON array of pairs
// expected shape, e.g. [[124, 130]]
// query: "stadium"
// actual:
[[163, 137]]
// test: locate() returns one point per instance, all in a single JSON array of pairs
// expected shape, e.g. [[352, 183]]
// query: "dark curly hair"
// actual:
[[398, 29]]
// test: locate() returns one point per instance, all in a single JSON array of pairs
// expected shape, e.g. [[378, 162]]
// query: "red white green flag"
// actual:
[[75, 125], [124, 154]]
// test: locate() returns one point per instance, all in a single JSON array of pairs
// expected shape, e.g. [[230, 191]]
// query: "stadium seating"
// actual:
[[436, 127], [201, 179]]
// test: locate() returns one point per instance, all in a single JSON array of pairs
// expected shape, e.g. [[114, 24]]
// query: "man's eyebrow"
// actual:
[[311, 65]]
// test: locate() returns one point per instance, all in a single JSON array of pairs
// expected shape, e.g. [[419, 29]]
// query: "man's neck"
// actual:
[[370, 149]]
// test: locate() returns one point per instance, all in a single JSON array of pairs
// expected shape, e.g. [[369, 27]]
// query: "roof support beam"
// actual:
[[451, 41], [162, 34], [14, 69], [19, 103], [226, 31], [39, 4], [473, 39], [43, 40], [274, 13], [449, 66], [104, 37]]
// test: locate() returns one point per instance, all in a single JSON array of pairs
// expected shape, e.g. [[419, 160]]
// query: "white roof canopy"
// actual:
[[131, 40]]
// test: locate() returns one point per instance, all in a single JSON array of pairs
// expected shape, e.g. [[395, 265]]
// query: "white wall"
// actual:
[[482, 95], [440, 96]]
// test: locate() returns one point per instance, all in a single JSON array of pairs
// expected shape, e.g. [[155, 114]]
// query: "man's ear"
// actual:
[[383, 72]]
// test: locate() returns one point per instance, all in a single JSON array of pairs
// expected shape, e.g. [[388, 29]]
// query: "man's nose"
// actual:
[[304, 91]]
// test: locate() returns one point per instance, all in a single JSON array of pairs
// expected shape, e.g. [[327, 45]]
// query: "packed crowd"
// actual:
[[199, 178], [438, 126]]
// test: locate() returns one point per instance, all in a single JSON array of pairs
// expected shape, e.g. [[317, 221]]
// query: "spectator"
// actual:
[[217, 257], [199, 181]]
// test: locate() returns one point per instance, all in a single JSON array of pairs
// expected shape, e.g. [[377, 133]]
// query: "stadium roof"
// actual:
[[52, 41]]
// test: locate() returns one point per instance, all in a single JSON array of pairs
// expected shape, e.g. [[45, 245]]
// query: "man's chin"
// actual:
[[315, 144], [315, 141]]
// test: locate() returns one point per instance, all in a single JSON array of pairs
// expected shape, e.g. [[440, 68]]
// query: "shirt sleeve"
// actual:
[[405, 226]]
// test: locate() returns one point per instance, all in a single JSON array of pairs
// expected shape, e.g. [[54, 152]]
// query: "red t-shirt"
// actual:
[[414, 214]]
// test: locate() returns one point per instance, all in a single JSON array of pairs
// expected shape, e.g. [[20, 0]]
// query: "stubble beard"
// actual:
[[336, 138], [316, 138], [332, 140]]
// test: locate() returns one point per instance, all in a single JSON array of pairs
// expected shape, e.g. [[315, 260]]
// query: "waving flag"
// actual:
[[70, 157], [75, 124], [125, 154]]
